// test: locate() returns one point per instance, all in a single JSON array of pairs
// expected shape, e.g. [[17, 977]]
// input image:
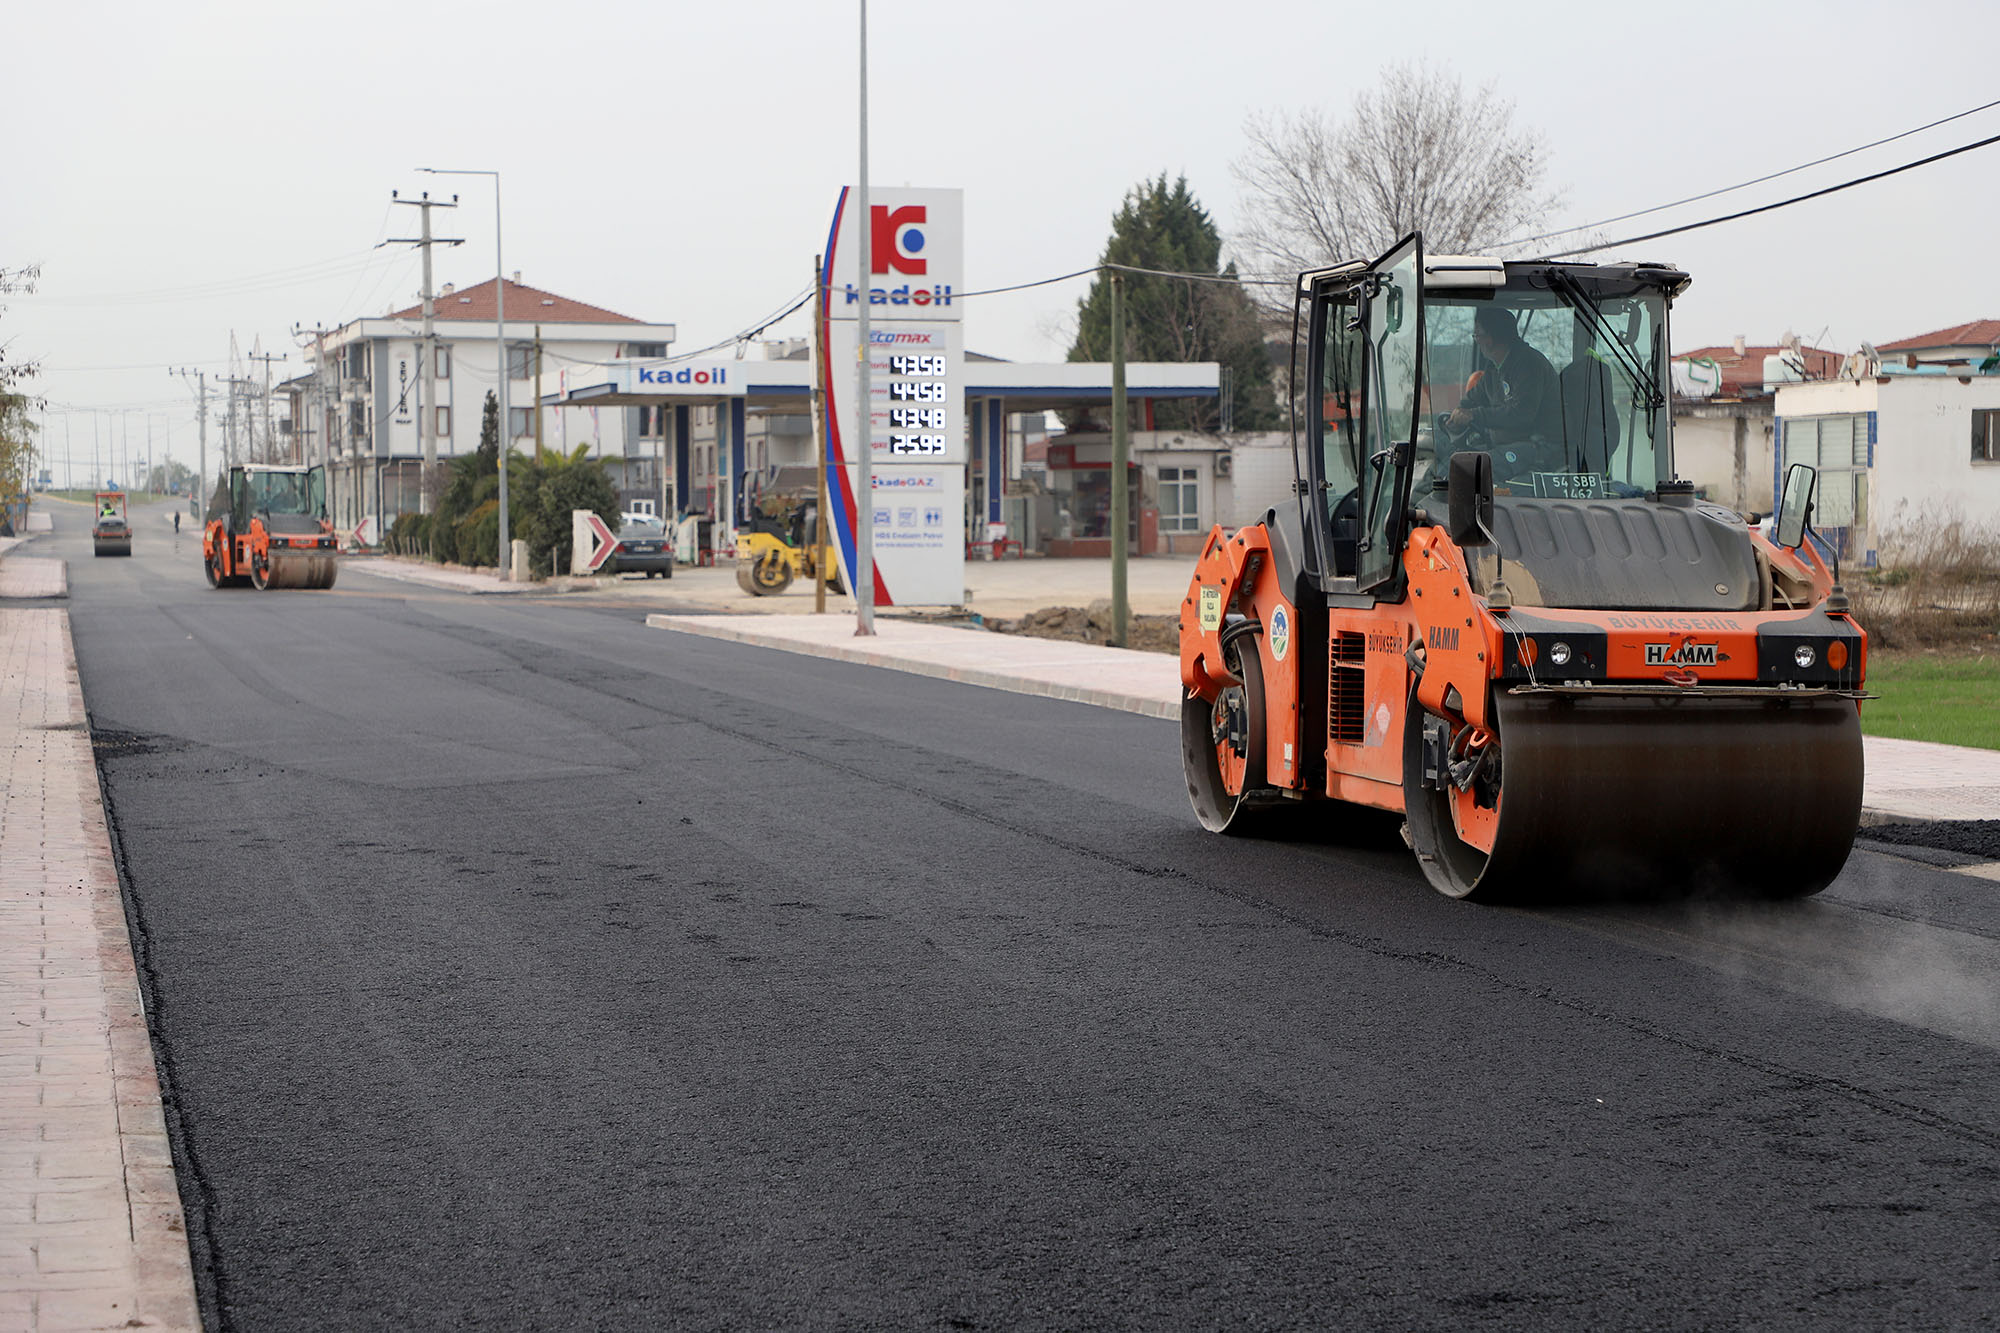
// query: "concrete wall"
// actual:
[[1262, 471], [1725, 450]]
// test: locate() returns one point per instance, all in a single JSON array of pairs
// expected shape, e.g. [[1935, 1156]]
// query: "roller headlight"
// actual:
[[1804, 655], [1559, 653]]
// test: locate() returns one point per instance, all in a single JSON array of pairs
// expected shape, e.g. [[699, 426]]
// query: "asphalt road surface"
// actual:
[[515, 965]]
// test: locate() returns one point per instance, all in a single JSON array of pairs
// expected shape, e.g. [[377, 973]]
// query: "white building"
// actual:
[[1893, 451], [361, 410]]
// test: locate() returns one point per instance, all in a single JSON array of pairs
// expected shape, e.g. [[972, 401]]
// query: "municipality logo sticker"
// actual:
[[1281, 634]]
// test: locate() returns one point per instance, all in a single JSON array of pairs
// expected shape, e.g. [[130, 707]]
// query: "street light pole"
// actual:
[[500, 350], [864, 414]]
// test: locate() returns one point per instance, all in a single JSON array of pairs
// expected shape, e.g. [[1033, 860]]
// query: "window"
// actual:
[[518, 422], [517, 360], [1592, 416], [1179, 500], [1838, 448], [1340, 402], [443, 367], [357, 361], [645, 349], [1986, 436], [443, 431]]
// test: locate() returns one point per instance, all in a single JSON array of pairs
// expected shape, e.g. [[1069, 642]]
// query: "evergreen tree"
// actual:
[[1163, 227], [469, 507], [489, 435]]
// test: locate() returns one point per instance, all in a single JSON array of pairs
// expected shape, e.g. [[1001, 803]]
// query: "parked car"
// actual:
[[643, 548]]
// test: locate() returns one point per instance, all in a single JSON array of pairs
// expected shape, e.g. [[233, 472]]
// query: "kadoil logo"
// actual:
[[896, 238], [685, 375], [1680, 654]]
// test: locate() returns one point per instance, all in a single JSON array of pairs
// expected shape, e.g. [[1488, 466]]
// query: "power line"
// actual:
[[746, 335], [381, 230], [145, 365], [1742, 185], [1241, 280], [297, 275], [1039, 282], [1782, 203]]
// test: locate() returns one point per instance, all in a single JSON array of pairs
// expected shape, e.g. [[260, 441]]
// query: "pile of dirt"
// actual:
[[1092, 624]]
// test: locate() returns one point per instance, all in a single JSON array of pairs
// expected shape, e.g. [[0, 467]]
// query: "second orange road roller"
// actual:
[[1493, 606]]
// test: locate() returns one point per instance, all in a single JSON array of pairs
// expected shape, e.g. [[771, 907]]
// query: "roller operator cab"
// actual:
[[272, 532], [1492, 606]]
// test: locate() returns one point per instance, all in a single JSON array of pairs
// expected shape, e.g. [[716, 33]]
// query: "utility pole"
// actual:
[[538, 395], [323, 397], [426, 432], [864, 398], [506, 547], [237, 417], [1120, 450], [270, 435]]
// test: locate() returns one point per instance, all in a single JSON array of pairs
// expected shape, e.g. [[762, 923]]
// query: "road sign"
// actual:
[[588, 533]]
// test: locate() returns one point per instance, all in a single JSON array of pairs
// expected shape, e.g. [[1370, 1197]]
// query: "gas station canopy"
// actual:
[[1024, 386]]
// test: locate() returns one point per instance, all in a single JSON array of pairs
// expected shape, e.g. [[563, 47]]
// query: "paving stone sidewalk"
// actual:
[[91, 1231]]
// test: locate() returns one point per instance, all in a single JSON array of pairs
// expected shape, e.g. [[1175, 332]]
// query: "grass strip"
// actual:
[[1950, 698]]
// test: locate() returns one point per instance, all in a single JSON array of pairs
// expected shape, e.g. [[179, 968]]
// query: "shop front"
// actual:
[[1080, 483]]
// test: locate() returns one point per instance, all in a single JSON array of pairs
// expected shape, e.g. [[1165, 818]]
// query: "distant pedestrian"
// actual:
[[177, 522]]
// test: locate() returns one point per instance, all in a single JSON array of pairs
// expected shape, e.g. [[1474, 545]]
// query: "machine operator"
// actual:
[[1517, 404]]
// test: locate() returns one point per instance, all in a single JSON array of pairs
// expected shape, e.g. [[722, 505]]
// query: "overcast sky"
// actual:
[[184, 171]]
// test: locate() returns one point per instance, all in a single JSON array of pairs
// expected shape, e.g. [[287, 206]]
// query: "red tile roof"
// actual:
[[525, 304], [1979, 333], [1745, 374]]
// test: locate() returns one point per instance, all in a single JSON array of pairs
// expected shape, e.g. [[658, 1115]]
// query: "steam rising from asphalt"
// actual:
[[1928, 976]]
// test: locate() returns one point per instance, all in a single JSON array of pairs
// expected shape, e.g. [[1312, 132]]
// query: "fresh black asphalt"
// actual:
[[513, 965]]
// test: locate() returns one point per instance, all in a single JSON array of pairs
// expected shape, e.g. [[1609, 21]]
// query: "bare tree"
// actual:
[[1418, 152]]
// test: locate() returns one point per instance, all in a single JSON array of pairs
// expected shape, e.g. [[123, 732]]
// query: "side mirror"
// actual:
[[1469, 499], [1796, 505]]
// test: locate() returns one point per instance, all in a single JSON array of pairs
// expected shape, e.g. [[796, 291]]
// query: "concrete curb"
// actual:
[[1048, 679], [1906, 781], [435, 576]]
